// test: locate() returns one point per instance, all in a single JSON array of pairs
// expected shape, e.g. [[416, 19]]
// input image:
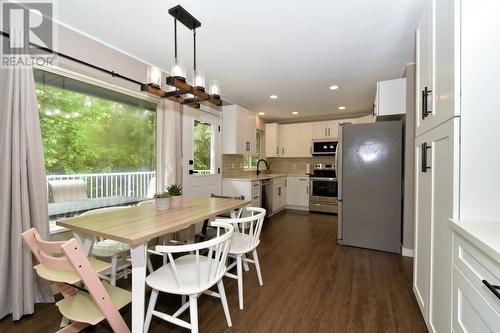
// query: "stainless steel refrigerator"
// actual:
[[369, 173]]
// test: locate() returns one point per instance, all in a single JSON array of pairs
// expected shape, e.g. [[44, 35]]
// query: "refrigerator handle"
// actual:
[[424, 149]]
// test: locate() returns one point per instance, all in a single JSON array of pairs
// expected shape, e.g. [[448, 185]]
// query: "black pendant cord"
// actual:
[[194, 48], [81, 62], [175, 39]]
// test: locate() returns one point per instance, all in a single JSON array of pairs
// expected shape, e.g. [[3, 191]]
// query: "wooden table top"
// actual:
[[139, 224]]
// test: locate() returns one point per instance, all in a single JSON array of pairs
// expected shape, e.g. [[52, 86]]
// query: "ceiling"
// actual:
[[294, 49]]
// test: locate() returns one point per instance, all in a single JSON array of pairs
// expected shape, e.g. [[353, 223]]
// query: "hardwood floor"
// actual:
[[311, 284]]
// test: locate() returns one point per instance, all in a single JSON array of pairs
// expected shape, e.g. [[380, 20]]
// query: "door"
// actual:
[[437, 202], [424, 71], [320, 130], [302, 191], [201, 153], [371, 185]]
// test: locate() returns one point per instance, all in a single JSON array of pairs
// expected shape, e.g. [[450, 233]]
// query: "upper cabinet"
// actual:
[[438, 61], [296, 140], [390, 98], [238, 130], [325, 129], [272, 140]]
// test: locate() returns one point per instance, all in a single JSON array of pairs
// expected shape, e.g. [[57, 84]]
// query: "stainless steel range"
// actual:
[[323, 185]]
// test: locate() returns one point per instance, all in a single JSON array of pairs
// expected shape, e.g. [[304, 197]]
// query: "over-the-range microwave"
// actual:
[[324, 147]]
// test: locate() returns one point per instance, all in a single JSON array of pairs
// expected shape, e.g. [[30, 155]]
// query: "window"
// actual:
[[202, 148], [250, 161], [99, 144]]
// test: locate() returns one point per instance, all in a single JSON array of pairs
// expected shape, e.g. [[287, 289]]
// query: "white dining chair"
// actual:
[[108, 248], [191, 274], [245, 240]]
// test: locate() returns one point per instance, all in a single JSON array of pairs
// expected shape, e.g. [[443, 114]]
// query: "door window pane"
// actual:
[[98, 144], [202, 148]]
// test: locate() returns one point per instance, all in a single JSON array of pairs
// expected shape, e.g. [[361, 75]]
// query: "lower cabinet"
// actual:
[[298, 192], [249, 189], [475, 307], [436, 195], [279, 194]]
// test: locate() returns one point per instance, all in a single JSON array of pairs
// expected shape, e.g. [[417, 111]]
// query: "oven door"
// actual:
[[323, 190]]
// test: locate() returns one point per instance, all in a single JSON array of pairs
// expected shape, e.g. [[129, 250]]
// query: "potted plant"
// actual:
[[175, 193], [162, 200]]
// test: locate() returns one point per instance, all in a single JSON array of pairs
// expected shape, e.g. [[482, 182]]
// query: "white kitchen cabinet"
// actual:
[[290, 190], [251, 190], [279, 194], [296, 140], [301, 191], [461, 70], [438, 56], [325, 129], [391, 97], [273, 140], [238, 130], [298, 192], [436, 202]]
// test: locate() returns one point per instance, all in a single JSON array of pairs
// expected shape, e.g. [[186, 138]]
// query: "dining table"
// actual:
[[137, 225]]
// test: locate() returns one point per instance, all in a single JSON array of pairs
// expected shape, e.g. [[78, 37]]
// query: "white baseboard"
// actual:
[[407, 252], [302, 208]]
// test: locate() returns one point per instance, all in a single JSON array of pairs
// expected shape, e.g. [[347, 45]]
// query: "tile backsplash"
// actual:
[[232, 165]]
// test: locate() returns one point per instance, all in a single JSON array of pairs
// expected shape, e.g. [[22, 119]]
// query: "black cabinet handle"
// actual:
[[425, 105], [192, 172], [424, 149], [494, 289]]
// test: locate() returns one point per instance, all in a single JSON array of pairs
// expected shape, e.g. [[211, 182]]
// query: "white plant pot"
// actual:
[[162, 203], [175, 202]]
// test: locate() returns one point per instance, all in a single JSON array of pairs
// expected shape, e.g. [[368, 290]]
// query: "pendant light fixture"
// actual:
[[189, 93]]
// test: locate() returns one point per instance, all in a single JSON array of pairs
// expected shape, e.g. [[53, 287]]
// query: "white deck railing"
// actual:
[[130, 184]]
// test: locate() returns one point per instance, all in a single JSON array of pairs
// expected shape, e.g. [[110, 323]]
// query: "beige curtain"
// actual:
[[23, 197], [169, 115]]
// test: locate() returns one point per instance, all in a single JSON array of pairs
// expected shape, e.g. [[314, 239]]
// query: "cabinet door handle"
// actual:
[[329, 132], [493, 288], [277, 150], [425, 99], [283, 151], [424, 149], [307, 189], [310, 151], [325, 132]]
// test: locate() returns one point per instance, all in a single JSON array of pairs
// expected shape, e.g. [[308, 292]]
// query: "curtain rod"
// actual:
[[104, 70]]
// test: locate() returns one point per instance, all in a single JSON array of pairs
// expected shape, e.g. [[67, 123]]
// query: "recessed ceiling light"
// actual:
[[273, 97], [342, 107], [333, 87], [261, 113], [295, 112]]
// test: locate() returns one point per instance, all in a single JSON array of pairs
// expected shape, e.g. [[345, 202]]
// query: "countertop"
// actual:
[[253, 177], [484, 234]]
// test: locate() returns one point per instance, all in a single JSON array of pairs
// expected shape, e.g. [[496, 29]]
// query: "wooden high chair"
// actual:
[[66, 265]]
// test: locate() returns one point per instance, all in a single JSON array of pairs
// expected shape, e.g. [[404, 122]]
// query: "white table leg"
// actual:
[[87, 242], [138, 254]]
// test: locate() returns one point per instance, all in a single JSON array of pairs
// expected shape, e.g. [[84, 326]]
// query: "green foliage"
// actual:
[[161, 195], [202, 145], [174, 190], [84, 134]]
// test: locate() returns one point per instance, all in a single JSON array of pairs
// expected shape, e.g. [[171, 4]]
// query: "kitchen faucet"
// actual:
[[261, 160]]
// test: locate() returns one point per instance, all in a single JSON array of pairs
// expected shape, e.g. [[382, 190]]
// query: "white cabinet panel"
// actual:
[[436, 202], [272, 141], [238, 130], [296, 140], [290, 191], [391, 97], [320, 129], [471, 312], [424, 69], [279, 194], [302, 191]]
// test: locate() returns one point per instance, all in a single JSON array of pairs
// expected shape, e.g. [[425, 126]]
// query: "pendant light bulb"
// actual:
[[154, 76], [178, 70], [199, 79], [214, 89]]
